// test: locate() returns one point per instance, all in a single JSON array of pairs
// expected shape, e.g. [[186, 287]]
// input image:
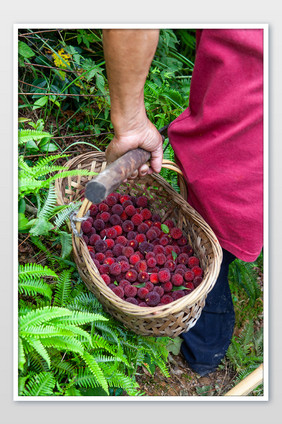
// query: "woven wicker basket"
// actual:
[[167, 320]]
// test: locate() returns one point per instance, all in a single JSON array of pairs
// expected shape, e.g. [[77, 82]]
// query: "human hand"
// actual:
[[141, 134]]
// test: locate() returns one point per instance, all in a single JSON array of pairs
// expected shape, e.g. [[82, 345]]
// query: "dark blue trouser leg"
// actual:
[[205, 344]]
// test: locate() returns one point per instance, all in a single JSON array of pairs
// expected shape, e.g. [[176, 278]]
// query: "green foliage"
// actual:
[[75, 344], [245, 353], [245, 276]]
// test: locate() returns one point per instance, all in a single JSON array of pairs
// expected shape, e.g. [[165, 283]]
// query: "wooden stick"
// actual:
[[248, 384]]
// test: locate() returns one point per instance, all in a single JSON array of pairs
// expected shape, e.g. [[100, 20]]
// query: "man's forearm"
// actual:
[[128, 55]]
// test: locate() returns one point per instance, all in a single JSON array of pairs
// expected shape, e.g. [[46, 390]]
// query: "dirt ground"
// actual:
[[184, 382]]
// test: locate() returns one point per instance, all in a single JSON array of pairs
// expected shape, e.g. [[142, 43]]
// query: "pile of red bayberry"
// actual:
[[143, 261]]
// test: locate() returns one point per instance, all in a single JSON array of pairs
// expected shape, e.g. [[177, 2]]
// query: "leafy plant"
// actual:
[[75, 345]]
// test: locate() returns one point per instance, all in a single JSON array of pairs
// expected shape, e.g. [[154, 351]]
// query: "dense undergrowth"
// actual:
[[68, 346]]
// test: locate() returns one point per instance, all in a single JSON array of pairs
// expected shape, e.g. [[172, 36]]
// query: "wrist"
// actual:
[[128, 121]]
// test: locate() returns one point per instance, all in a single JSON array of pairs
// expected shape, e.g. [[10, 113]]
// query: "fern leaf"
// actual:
[[49, 203], [64, 214], [40, 349], [41, 384], [79, 318], [65, 240], [27, 135], [69, 344], [42, 315], [35, 271], [21, 355], [63, 288], [32, 288], [46, 160], [96, 371]]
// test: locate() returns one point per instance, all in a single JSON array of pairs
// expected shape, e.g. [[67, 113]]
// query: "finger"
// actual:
[[156, 159], [133, 175], [143, 170]]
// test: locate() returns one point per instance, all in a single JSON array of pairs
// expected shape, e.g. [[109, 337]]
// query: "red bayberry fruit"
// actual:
[[127, 251], [118, 291], [183, 258], [127, 226], [133, 259], [105, 216], [198, 272], [142, 292], [177, 280], [137, 219], [146, 213], [93, 210], [123, 198], [175, 233], [170, 264], [124, 266], [164, 275], [177, 294], [130, 210], [151, 262], [106, 278], [193, 261], [189, 275], [140, 238], [115, 269], [164, 240], [143, 277], [132, 243], [111, 233], [109, 261], [151, 234], [130, 291], [167, 286], [132, 300], [142, 201], [115, 219], [111, 200], [154, 278], [103, 207], [100, 246], [197, 280], [117, 209], [121, 240], [118, 229], [100, 257], [190, 286], [152, 298], [160, 258], [142, 228], [99, 224], [165, 299], [159, 290], [110, 243], [141, 266], [131, 275], [117, 249], [86, 226]]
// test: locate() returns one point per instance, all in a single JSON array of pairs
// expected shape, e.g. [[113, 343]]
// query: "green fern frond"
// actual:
[[49, 203], [63, 288], [32, 271], [39, 348], [42, 315], [96, 371], [69, 344], [41, 384], [85, 302], [47, 159], [64, 214], [34, 287], [21, 355], [26, 135], [79, 318]]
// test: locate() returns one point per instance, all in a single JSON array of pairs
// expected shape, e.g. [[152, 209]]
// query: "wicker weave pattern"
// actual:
[[167, 320]]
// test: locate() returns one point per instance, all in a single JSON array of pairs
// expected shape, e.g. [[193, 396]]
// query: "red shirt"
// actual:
[[218, 139]]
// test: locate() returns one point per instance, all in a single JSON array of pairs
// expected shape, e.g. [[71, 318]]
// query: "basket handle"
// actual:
[[165, 164]]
